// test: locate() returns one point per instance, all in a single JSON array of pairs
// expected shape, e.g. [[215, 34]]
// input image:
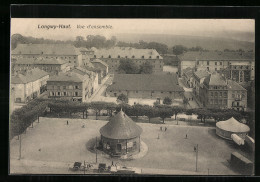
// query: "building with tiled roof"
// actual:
[[67, 52], [139, 56], [146, 86], [29, 85], [198, 78], [102, 67], [188, 76], [70, 86], [50, 65], [219, 92], [240, 64], [93, 79], [121, 135]]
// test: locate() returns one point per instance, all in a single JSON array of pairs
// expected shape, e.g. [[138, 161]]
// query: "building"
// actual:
[[218, 92], [214, 91], [68, 86], [29, 85], [92, 84], [121, 136], [146, 86], [237, 96], [139, 56], [65, 52], [101, 67], [198, 78], [51, 65], [240, 65], [188, 76], [231, 126]]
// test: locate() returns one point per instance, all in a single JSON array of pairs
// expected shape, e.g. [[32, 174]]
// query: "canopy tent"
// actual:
[[231, 126]]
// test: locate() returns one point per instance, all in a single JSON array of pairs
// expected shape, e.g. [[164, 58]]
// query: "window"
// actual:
[[76, 87], [220, 63], [95, 56], [211, 101], [225, 94], [109, 56], [150, 57], [157, 57], [58, 87], [216, 101], [64, 93], [208, 68], [118, 56], [143, 57], [133, 56], [64, 87], [58, 93], [125, 56], [216, 69], [233, 95], [76, 93], [216, 94], [220, 94], [211, 93], [216, 63]]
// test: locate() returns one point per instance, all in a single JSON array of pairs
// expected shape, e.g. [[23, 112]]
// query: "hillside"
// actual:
[[209, 43]]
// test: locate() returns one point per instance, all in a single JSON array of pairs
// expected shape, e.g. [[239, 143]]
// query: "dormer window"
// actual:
[[95, 56], [133, 56], [150, 57], [157, 57], [125, 56], [109, 56], [118, 56], [143, 57], [102, 56]]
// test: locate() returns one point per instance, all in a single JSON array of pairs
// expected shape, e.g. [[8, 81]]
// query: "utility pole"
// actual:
[[197, 151], [84, 167], [96, 149], [20, 147]]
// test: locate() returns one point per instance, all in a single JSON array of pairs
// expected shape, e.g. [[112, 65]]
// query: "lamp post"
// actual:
[[96, 149], [197, 152]]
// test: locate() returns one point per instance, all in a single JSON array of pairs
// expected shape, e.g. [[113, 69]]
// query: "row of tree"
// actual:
[[24, 117]]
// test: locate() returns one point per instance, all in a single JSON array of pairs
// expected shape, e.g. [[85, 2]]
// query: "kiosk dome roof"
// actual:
[[121, 127], [233, 125]]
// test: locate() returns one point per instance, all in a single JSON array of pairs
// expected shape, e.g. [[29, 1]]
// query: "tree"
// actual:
[[97, 107], [150, 111], [176, 110], [127, 66], [146, 68], [137, 110], [185, 102], [167, 101], [122, 98], [164, 112], [179, 49]]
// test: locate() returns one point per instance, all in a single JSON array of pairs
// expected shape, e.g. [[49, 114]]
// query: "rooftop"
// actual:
[[29, 76], [201, 73], [127, 52], [121, 126], [188, 71], [46, 49], [100, 61], [68, 77], [216, 55], [232, 85], [40, 61], [215, 79], [145, 82]]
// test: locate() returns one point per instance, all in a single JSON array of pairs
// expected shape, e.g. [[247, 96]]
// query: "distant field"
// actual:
[[52, 146], [189, 41]]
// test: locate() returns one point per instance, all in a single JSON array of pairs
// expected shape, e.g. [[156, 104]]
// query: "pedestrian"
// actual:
[[112, 163], [194, 149], [83, 126], [192, 98], [161, 128], [186, 136], [165, 129], [67, 122]]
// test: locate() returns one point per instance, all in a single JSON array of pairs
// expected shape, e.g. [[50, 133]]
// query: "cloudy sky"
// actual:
[[196, 27]]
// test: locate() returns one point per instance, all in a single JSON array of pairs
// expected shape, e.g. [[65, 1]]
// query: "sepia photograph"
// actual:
[[113, 96]]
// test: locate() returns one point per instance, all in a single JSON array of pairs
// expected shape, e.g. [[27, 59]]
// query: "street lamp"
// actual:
[[196, 149]]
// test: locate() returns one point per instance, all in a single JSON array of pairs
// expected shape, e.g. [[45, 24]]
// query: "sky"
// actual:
[[195, 27]]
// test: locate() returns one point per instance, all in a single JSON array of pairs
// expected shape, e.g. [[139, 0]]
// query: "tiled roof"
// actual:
[[232, 85], [40, 61], [68, 77], [188, 71], [121, 127], [46, 49], [214, 55], [100, 62], [201, 73], [29, 76], [145, 82], [127, 52], [81, 71], [215, 79]]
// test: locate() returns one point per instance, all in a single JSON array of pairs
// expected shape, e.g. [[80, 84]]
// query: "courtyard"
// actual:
[[52, 146]]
